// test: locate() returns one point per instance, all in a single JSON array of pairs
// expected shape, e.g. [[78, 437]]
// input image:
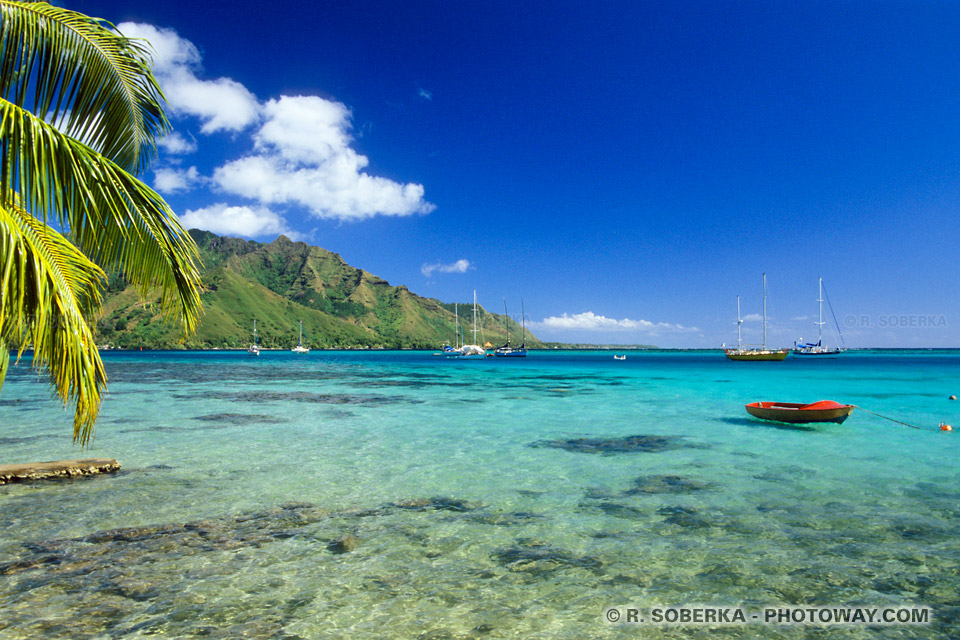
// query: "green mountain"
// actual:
[[281, 283]]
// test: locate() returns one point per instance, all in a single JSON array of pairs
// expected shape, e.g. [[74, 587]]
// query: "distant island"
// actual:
[[280, 283]]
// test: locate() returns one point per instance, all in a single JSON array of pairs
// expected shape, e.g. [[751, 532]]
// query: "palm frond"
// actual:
[[4, 361], [93, 82], [113, 217], [46, 287]]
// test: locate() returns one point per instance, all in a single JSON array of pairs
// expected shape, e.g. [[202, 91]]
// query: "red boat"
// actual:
[[821, 411]]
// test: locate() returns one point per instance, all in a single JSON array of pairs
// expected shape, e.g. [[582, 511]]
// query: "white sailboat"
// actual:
[[817, 348], [454, 351], [254, 350], [300, 348], [473, 350]]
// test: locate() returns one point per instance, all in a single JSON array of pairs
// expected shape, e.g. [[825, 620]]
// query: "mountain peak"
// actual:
[[280, 283]]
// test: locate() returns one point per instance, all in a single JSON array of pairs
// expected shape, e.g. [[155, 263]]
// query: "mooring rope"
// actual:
[[890, 419]]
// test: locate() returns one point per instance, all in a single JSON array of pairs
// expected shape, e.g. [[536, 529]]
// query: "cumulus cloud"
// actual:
[[426, 95], [223, 219], [222, 104], [301, 152], [175, 144], [460, 266], [590, 321], [304, 158], [168, 180]]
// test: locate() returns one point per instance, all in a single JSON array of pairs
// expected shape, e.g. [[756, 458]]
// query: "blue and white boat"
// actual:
[[506, 351], [818, 348]]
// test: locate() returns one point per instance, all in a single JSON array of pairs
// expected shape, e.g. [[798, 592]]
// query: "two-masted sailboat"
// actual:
[[473, 350], [763, 353]]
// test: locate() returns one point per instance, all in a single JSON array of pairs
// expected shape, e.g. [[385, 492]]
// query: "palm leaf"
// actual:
[[4, 361], [46, 287], [93, 83], [122, 224]]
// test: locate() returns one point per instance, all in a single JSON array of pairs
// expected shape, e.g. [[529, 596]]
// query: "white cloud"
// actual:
[[301, 153], [460, 266], [590, 321], [223, 219], [305, 128], [426, 95], [753, 317], [167, 180], [175, 144], [222, 104], [304, 159]]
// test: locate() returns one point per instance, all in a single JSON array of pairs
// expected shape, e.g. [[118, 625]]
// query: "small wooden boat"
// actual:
[[793, 412]]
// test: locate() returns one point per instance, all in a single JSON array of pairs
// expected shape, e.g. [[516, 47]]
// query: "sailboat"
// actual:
[[506, 351], [254, 350], [454, 351], [473, 350], [817, 348], [755, 354], [300, 348]]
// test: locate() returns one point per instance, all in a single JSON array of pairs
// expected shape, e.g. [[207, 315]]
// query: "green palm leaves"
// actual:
[[79, 113]]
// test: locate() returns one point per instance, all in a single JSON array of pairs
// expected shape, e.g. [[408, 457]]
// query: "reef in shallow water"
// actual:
[[609, 446]]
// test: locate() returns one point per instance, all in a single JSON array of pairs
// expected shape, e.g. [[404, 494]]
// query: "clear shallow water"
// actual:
[[239, 472]]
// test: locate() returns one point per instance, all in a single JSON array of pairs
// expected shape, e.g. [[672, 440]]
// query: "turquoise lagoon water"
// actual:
[[475, 509]]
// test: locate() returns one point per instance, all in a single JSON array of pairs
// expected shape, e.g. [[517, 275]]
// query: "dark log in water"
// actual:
[[57, 469]]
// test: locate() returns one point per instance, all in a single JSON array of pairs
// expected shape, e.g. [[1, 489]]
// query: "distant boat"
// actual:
[[762, 353], [623, 357], [254, 350], [472, 351], [454, 351], [795, 413], [506, 351], [817, 348], [300, 348]]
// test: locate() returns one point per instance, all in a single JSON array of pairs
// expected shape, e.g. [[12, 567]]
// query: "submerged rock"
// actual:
[[505, 519], [438, 503], [238, 419], [666, 484], [302, 396], [344, 544], [538, 559], [609, 446], [610, 508]]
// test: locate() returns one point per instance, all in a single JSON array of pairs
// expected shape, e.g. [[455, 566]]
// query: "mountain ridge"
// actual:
[[281, 283]]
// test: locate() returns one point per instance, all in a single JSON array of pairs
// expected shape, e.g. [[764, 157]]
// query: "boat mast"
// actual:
[[739, 322], [523, 327], [475, 330], [506, 321], [764, 312], [254, 333], [820, 320], [456, 315], [300, 341]]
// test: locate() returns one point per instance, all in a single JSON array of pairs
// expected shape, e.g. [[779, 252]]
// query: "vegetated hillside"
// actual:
[[282, 283]]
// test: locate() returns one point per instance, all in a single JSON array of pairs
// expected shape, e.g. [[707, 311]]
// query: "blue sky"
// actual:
[[627, 168]]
